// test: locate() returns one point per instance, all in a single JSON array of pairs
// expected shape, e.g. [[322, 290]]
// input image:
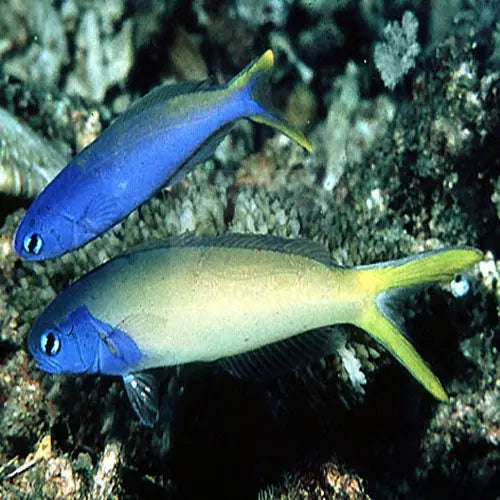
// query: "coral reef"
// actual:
[[104, 39], [352, 126], [331, 481], [396, 56], [261, 12], [102, 61], [391, 175], [27, 161], [41, 61]]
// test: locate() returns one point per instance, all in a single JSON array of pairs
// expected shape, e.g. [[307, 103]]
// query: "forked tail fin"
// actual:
[[255, 78], [377, 318]]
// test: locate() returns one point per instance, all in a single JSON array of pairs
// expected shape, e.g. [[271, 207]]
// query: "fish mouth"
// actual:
[[18, 248]]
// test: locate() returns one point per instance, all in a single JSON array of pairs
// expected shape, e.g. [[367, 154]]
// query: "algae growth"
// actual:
[[394, 172]]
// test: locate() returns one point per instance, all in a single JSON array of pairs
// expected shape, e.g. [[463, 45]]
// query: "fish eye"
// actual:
[[33, 243], [50, 343]]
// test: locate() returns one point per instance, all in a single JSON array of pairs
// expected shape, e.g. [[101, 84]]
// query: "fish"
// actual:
[[258, 305], [155, 143]]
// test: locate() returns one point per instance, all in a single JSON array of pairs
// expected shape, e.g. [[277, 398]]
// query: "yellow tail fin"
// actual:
[[376, 318], [255, 77]]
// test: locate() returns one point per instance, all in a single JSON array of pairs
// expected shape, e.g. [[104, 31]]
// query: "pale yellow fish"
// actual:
[[245, 299]]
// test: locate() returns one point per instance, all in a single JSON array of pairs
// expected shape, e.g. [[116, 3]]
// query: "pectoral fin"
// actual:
[[138, 326], [102, 212]]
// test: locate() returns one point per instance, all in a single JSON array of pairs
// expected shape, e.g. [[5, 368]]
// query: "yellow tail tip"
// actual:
[[260, 65], [304, 142], [437, 390], [268, 58]]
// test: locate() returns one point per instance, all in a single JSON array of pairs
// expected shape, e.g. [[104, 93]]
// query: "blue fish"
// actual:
[[241, 299], [155, 143]]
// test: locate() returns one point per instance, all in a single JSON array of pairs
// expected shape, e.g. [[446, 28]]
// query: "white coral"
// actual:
[[396, 56]]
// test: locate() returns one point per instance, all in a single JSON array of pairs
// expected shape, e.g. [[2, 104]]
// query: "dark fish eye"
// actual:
[[50, 343], [33, 243]]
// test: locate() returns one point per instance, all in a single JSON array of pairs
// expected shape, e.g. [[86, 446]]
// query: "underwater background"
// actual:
[[401, 101]]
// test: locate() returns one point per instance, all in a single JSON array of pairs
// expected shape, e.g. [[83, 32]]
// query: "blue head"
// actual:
[[80, 343], [66, 214], [41, 235], [50, 226]]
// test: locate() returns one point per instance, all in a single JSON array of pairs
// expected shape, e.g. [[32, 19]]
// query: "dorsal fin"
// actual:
[[275, 359], [298, 246], [164, 93]]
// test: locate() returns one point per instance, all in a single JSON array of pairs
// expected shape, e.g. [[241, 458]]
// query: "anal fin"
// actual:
[[275, 359], [203, 153]]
